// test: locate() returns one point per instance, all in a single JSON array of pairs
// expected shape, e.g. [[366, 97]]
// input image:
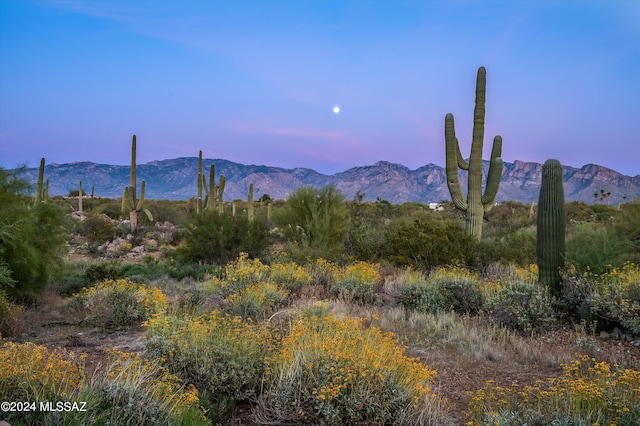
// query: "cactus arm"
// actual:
[[220, 193], [125, 202], [141, 199], [148, 213], [461, 162], [494, 175], [452, 148]]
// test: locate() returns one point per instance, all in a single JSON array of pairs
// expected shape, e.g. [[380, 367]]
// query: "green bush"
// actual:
[[100, 272], [98, 228], [522, 306], [595, 247], [219, 238], [427, 244], [460, 289], [422, 296], [314, 223]]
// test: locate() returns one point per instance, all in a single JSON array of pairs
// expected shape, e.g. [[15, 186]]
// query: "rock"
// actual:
[[604, 335]]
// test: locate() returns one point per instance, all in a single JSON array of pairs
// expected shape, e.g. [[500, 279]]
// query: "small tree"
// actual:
[[31, 238]]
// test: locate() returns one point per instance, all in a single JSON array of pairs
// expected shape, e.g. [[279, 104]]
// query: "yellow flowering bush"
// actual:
[[238, 274], [357, 281], [588, 392], [258, 301], [222, 355], [290, 275], [616, 296], [137, 391], [333, 371], [323, 272], [128, 391], [30, 372], [120, 302]]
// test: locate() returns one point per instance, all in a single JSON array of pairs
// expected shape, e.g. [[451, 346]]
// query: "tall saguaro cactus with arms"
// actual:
[[130, 201], [476, 203]]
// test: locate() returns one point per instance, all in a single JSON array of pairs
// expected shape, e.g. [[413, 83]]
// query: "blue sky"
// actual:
[[256, 81]]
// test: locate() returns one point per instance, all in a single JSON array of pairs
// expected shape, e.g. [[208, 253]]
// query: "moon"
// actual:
[[336, 109]]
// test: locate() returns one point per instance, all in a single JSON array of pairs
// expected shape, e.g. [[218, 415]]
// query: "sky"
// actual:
[[257, 81]]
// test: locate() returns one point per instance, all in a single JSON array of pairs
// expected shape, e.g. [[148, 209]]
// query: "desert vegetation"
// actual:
[[314, 310]]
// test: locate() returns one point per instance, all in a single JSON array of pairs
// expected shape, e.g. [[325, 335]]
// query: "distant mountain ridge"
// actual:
[[176, 179]]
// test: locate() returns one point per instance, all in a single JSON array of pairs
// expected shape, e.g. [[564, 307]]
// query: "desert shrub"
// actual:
[[314, 223], [595, 247], [142, 392], [426, 244], [323, 272], [100, 272], [578, 211], [10, 324], [127, 391], [588, 392], [33, 373], [237, 275], [98, 228], [222, 355], [149, 269], [522, 306], [119, 303], [333, 371], [515, 247], [574, 292], [616, 296], [220, 238], [357, 282], [258, 301], [290, 275], [459, 287], [626, 224], [421, 295], [179, 271]]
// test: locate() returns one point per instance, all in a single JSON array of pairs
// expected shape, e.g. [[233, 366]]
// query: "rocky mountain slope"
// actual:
[[175, 179]]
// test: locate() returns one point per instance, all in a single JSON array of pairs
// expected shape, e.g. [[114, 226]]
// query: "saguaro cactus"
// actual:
[[213, 192], [129, 197], [41, 189], [80, 197], [476, 203], [250, 203], [551, 223]]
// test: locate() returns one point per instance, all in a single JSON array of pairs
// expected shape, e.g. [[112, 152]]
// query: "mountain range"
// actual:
[[176, 179]]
